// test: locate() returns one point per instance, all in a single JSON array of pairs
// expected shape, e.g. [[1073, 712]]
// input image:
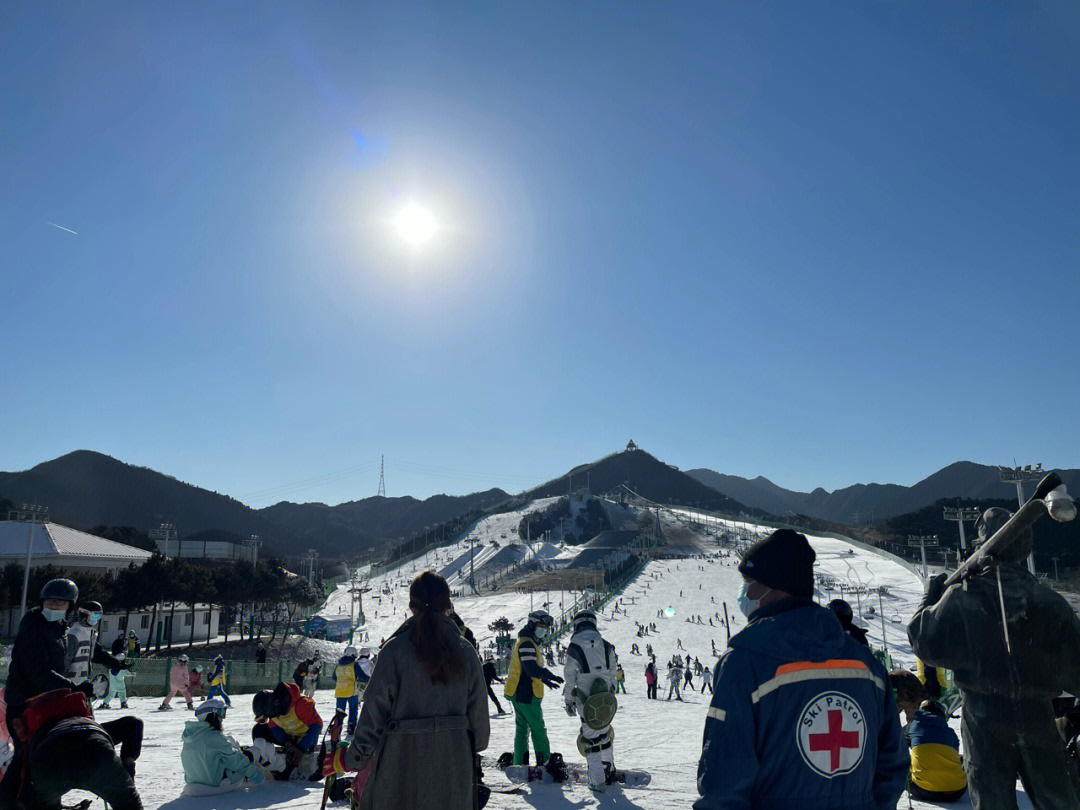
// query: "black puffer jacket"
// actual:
[[37, 661]]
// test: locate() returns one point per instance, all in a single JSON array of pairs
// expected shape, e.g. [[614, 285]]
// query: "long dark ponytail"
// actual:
[[429, 598]]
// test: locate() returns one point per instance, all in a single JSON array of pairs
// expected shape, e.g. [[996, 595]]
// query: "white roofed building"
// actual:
[[65, 548]]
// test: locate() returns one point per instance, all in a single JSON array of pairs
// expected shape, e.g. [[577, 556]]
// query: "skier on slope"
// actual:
[[179, 683], [525, 688], [675, 678], [347, 678], [1008, 724], [490, 677], [589, 693], [82, 647], [118, 678]]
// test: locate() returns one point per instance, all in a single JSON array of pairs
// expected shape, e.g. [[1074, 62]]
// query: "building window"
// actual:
[[121, 623], [206, 618], [145, 624], [187, 620], [104, 627]]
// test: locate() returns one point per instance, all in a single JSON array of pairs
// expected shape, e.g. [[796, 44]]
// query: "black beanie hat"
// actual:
[[784, 561]]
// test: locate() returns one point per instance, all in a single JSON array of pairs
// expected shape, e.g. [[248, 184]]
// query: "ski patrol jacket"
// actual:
[[208, 757], [802, 716], [37, 661], [347, 676], [935, 754], [301, 722], [526, 677], [588, 659], [180, 677], [960, 629]]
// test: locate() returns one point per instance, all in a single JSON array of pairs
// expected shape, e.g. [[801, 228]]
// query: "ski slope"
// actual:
[[661, 737]]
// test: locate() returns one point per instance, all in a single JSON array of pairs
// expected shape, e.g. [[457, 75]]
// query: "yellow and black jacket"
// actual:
[[526, 677], [935, 754]]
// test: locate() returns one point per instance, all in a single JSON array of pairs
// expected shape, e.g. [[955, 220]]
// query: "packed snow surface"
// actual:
[[661, 737]]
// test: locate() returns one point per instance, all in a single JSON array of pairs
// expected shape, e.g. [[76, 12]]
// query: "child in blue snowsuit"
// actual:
[[348, 677], [117, 685], [217, 682]]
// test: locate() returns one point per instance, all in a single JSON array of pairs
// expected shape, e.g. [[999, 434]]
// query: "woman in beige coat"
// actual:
[[425, 712]]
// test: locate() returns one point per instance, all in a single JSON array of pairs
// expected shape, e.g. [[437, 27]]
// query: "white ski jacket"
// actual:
[[81, 640], [588, 658]]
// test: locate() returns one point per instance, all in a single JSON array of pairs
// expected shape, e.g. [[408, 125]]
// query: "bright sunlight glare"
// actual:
[[415, 224]]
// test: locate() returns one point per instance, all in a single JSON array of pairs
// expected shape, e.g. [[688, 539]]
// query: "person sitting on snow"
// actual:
[[937, 772], [347, 679], [209, 757], [284, 717], [179, 684], [118, 677], [589, 693]]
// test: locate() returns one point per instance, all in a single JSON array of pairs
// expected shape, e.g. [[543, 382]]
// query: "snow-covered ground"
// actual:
[[661, 737]]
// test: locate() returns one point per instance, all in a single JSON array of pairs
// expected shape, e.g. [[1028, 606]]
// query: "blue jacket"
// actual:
[[802, 718]]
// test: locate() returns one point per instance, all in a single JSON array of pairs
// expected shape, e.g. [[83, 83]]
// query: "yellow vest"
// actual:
[[346, 680], [513, 677]]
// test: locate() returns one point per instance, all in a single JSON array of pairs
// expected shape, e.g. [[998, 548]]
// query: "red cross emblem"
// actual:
[[831, 734], [835, 740]]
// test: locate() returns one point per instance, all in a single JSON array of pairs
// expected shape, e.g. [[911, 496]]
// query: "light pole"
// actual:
[[1018, 475], [960, 514], [31, 514], [165, 532]]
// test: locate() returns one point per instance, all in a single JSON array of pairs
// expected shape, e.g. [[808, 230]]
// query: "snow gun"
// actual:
[[1049, 498]]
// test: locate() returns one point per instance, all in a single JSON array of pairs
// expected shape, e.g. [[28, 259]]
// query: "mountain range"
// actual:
[[867, 503], [86, 489]]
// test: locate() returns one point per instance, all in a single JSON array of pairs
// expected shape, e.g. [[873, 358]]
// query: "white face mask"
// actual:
[[747, 605], [541, 631]]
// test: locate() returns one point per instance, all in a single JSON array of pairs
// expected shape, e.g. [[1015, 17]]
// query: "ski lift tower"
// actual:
[[1018, 475], [923, 542], [31, 514], [960, 514]]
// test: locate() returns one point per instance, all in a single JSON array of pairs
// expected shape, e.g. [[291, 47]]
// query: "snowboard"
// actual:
[[579, 775], [576, 774]]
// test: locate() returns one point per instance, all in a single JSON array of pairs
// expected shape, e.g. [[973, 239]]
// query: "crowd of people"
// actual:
[[801, 712]]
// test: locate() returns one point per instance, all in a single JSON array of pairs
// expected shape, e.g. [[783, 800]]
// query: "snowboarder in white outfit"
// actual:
[[589, 693]]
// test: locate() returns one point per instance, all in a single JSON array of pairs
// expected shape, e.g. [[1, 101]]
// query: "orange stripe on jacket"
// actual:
[[834, 663]]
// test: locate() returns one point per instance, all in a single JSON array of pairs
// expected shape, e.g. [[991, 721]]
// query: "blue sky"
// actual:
[[822, 242]]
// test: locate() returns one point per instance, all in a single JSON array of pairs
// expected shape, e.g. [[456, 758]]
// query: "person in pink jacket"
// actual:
[[179, 683]]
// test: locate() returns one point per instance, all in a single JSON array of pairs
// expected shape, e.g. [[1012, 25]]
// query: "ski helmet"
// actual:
[[213, 705], [198, 667], [584, 619], [542, 618], [365, 652], [62, 589], [120, 657], [132, 634], [260, 704], [183, 658], [350, 650], [842, 610]]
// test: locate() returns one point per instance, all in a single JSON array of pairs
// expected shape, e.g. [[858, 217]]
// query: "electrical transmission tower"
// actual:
[[382, 480]]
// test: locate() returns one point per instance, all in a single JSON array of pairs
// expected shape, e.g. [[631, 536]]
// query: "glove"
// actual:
[[554, 681], [570, 710], [334, 761]]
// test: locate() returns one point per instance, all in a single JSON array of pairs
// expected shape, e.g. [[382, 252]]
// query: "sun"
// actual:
[[416, 225]]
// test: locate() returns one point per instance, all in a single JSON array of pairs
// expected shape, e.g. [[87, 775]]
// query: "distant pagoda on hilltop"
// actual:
[[630, 445]]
